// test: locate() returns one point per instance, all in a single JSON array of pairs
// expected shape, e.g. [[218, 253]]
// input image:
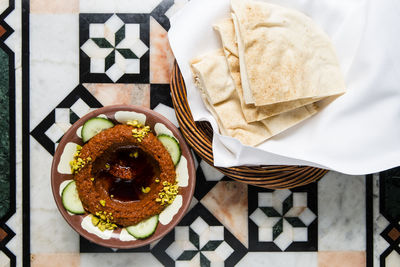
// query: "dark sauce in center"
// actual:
[[122, 170]]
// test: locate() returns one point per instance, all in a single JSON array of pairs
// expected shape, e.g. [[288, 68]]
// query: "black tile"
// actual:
[[160, 94]]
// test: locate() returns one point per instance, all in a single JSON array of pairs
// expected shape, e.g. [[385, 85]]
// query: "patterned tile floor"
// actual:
[[69, 57]]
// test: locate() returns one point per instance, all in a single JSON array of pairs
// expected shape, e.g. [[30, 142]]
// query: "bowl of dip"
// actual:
[[123, 176]]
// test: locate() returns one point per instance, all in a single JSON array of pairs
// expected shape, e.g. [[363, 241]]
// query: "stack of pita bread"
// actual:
[[276, 68]]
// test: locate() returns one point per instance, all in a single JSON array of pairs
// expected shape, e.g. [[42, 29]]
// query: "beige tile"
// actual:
[[341, 259], [56, 259], [117, 94], [54, 6], [227, 201], [161, 57]]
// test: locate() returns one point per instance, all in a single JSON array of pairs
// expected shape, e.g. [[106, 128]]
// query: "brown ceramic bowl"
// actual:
[[74, 221]]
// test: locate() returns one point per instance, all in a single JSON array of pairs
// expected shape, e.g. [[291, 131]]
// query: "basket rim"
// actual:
[[270, 176]]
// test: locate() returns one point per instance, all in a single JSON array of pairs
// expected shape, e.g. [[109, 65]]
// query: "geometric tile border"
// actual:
[[52, 128], [283, 220]]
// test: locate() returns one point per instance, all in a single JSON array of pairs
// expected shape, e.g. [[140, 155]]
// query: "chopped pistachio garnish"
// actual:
[[134, 123], [140, 130], [168, 193], [102, 202], [103, 221], [95, 220], [78, 163], [92, 179], [107, 166], [145, 190]]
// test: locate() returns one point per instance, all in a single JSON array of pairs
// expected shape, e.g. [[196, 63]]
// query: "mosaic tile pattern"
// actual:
[[389, 205], [118, 53], [114, 48], [283, 220], [8, 138], [77, 104]]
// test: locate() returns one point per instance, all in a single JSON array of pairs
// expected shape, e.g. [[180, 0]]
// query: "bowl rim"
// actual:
[[113, 242]]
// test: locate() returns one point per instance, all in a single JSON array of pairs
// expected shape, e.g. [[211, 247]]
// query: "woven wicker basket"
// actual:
[[199, 137]]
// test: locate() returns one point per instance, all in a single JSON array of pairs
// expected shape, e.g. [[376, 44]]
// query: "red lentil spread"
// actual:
[[123, 175]]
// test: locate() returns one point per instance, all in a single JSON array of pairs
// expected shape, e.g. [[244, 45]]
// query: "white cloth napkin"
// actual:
[[358, 133]]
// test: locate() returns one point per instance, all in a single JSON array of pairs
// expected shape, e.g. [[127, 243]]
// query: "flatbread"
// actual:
[[283, 55], [212, 76], [252, 113]]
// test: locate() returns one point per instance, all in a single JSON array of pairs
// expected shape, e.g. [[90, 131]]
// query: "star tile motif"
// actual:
[[52, 128], [282, 217], [283, 220], [199, 244], [114, 47]]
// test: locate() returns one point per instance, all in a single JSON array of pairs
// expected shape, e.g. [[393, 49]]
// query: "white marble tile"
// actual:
[[199, 226], [265, 199], [64, 126], [286, 237], [114, 72], [139, 48], [393, 259], [181, 233], [114, 23], [132, 31], [224, 250], [132, 66], [54, 133], [62, 114], [181, 243], [278, 197], [307, 216], [118, 6], [216, 233], [300, 234], [3, 5], [4, 260], [50, 233], [341, 212], [258, 217], [92, 50], [265, 234], [169, 113], [96, 30], [54, 49], [97, 65], [118, 259], [210, 173], [80, 108], [299, 199], [174, 250], [279, 259]]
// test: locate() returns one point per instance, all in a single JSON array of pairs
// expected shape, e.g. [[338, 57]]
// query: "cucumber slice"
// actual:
[[94, 126], [143, 229], [172, 146], [70, 199]]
